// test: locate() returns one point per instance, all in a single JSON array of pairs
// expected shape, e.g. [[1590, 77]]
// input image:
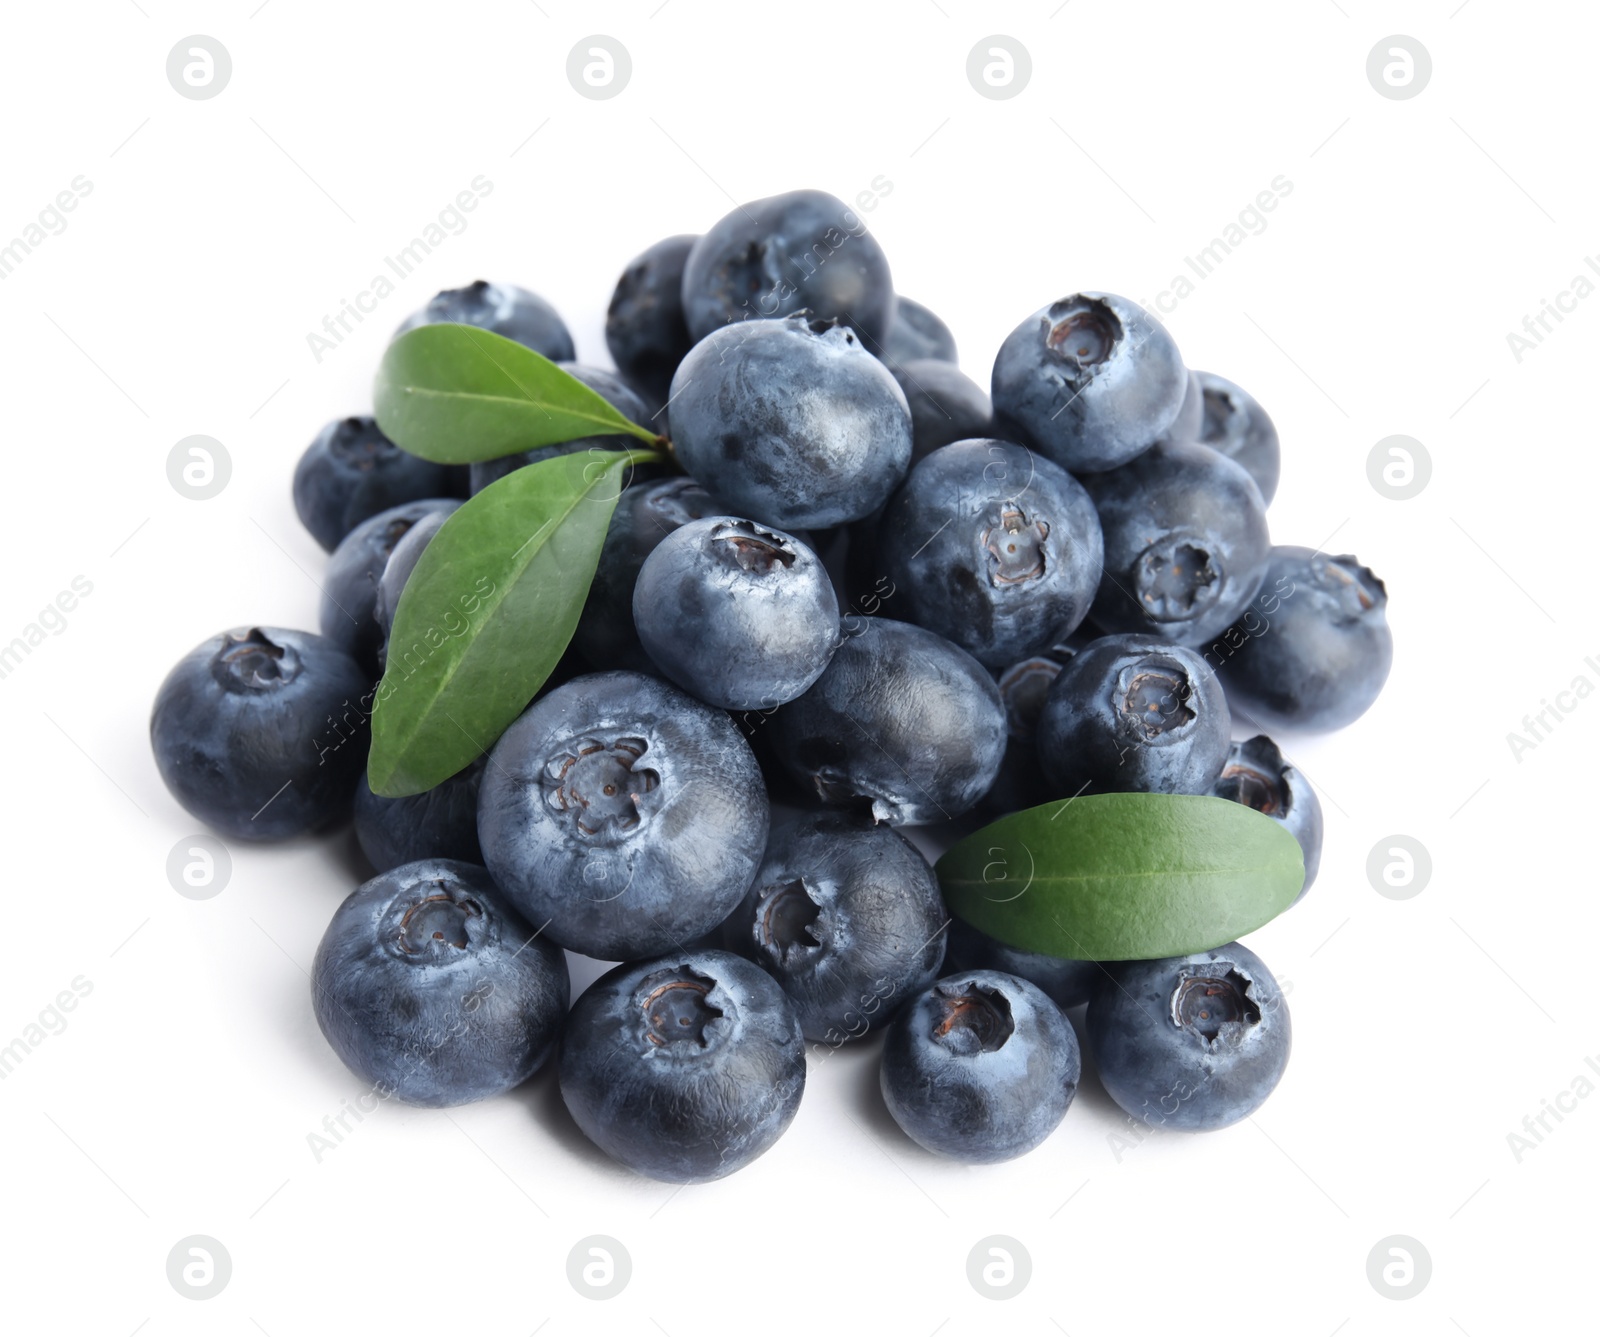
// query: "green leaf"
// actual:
[[486, 614], [1118, 877], [456, 394]]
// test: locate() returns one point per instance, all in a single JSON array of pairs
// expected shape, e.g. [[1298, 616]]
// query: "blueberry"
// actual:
[[1129, 714], [623, 813], [646, 513], [439, 823], [1190, 421], [512, 312], [993, 547], [1234, 424], [901, 723], [684, 1068], [846, 916], [1023, 688], [864, 589], [743, 617], [1066, 983], [351, 472], [645, 328], [945, 405], [803, 251], [610, 387], [790, 422], [397, 571], [1257, 776], [1319, 654], [980, 1067], [1185, 541], [261, 733], [431, 987], [1190, 1042], [1089, 381], [350, 588], [915, 334]]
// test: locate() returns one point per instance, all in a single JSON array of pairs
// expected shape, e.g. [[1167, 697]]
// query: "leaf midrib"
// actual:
[[519, 402]]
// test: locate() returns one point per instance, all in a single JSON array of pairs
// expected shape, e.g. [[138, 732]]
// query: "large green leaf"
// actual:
[[1115, 877], [456, 394], [486, 614]]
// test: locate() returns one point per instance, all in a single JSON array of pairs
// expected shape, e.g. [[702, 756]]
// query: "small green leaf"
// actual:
[[1119, 877], [486, 614], [456, 394]]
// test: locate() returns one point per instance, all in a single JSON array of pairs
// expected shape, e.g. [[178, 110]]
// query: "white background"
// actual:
[[179, 1097]]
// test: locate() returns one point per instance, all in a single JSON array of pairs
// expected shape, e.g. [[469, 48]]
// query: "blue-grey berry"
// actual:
[[742, 616], [1089, 381], [980, 1067], [790, 422], [1192, 1042]]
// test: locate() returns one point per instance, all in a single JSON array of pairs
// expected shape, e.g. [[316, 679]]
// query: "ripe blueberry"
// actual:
[[684, 1068], [350, 588], [945, 405], [352, 471], [803, 251], [993, 547], [741, 616], [1257, 776], [1234, 424], [1185, 543], [1089, 381], [439, 823], [902, 724], [1129, 714], [397, 571], [503, 309], [1190, 1042], [1321, 656], [431, 987], [261, 732], [646, 513], [790, 422], [624, 814], [980, 1067], [1066, 983], [915, 334], [645, 329], [1023, 688], [846, 916], [1190, 421]]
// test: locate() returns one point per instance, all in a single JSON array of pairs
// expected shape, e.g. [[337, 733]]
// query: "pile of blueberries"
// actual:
[[864, 590]]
